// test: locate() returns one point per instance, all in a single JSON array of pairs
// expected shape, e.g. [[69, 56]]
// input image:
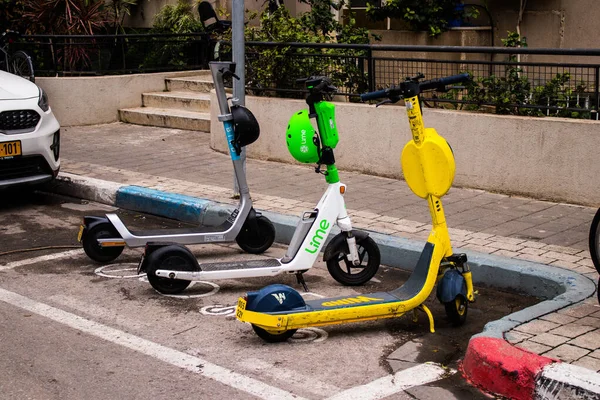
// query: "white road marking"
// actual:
[[392, 384], [48, 257], [106, 272], [289, 377], [214, 290], [375, 280], [143, 346], [310, 334], [218, 310]]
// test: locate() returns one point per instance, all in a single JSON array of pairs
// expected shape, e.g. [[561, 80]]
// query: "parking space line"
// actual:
[[388, 385], [143, 346], [35, 260], [291, 377]]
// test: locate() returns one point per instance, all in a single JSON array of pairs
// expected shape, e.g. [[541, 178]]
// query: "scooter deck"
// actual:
[[407, 291], [183, 231], [236, 265]]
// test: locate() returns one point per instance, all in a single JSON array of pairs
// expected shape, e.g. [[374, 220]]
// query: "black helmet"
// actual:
[[245, 127]]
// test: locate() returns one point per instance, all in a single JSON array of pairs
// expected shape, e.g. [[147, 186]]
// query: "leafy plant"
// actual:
[[279, 67], [433, 16], [514, 94], [178, 19], [10, 15], [117, 10], [67, 17], [320, 17]]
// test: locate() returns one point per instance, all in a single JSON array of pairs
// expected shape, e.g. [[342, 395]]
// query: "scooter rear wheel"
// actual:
[[341, 268], [256, 240], [170, 260], [456, 310], [273, 336], [92, 248]]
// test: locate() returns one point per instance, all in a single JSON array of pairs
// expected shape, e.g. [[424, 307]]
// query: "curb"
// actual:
[[491, 363]]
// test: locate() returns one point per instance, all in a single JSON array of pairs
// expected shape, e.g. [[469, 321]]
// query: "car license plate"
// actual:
[[10, 149], [241, 306], [80, 234]]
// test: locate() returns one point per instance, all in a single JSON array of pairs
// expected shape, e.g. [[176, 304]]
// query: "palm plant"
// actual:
[[67, 17]]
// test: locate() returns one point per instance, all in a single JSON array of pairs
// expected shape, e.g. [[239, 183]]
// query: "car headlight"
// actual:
[[43, 101]]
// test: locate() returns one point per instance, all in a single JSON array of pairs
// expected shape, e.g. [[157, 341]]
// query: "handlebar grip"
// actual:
[[378, 94], [449, 80]]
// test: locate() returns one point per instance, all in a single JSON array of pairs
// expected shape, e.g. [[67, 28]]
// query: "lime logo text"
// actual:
[[316, 240]]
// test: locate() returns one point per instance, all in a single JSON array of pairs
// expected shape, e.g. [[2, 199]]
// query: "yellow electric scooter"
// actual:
[[277, 311]]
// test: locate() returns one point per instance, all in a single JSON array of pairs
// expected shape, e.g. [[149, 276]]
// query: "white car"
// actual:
[[29, 134]]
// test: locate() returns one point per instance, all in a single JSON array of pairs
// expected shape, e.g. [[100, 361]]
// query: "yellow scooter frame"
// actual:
[[428, 164]]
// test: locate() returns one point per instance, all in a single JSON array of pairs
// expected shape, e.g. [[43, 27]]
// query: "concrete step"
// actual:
[[190, 83], [188, 101], [168, 118]]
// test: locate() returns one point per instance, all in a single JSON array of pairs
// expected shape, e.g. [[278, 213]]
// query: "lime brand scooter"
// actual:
[[352, 257], [277, 311], [104, 238]]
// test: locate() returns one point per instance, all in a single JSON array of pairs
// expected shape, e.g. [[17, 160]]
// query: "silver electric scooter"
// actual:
[[104, 238]]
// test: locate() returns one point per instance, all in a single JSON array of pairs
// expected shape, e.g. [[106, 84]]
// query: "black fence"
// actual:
[[517, 81], [81, 55]]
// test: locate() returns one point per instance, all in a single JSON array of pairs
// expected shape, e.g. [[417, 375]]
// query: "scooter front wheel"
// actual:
[[169, 259], [92, 248], [456, 310], [273, 336], [345, 272], [256, 239]]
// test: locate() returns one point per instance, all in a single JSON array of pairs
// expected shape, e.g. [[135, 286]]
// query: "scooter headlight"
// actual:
[[43, 101]]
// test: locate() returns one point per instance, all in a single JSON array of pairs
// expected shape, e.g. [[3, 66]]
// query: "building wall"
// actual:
[[546, 23]]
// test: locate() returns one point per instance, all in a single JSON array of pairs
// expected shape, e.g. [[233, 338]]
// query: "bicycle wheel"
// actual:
[[20, 64], [594, 240]]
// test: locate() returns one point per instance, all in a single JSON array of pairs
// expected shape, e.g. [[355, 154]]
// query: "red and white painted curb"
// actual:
[[498, 367]]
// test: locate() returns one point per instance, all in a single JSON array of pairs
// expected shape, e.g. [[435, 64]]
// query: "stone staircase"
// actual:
[[185, 105]]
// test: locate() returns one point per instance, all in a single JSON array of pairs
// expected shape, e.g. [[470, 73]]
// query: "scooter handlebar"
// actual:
[[378, 94], [432, 84], [449, 80]]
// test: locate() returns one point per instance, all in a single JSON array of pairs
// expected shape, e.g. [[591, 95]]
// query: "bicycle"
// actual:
[[594, 240], [17, 63]]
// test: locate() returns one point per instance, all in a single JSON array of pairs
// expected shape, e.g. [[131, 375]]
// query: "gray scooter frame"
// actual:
[[228, 230]]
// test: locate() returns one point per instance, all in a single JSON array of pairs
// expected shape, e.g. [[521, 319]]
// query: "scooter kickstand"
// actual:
[[430, 316], [300, 278]]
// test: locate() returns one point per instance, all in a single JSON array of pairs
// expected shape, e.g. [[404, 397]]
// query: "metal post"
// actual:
[[239, 86], [371, 68]]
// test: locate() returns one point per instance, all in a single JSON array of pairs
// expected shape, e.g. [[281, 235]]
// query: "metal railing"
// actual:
[[519, 81], [80, 55], [522, 81]]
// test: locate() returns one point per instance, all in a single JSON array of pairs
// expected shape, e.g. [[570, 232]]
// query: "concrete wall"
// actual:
[[96, 100], [546, 158]]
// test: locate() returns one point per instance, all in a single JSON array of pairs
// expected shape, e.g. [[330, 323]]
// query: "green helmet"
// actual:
[[301, 138]]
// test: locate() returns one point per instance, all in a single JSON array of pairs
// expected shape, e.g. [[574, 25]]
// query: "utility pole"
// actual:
[[239, 85]]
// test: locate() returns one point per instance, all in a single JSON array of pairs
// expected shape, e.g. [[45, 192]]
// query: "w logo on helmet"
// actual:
[[280, 297]]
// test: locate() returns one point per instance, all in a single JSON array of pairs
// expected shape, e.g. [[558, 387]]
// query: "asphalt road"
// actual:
[[73, 329]]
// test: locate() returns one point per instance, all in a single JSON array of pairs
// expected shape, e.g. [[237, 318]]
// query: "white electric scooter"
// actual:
[[352, 257]]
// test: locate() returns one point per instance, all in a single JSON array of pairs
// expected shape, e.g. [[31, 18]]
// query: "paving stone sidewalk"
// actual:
[[515, 227]]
